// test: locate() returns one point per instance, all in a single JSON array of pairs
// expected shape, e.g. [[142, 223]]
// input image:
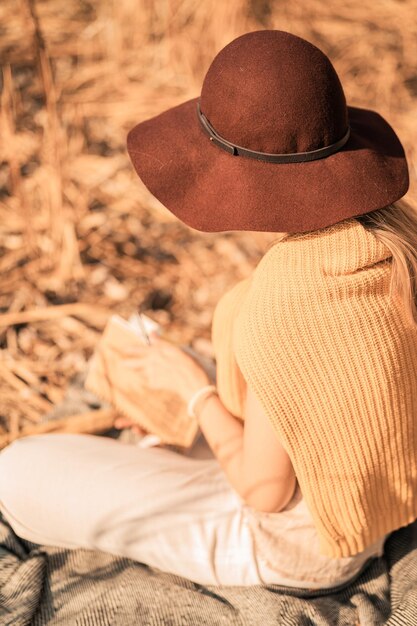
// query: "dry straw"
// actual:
[[80, 237]]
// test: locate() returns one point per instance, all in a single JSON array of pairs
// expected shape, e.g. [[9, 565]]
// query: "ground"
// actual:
[[80, 236]]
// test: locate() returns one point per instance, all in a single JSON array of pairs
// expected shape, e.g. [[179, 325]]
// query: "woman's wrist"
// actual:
[[199, 398], [204, 403], [204, 408]]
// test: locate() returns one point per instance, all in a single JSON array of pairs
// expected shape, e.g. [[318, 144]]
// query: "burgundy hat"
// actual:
[[270, 145]]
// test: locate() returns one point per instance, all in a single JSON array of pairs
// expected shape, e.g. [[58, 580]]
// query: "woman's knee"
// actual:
[[12, 455], [30, 488], [16, 461], [10, 459], [9, 468]]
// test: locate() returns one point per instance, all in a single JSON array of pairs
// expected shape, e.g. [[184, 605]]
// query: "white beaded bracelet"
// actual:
[[203, 392]]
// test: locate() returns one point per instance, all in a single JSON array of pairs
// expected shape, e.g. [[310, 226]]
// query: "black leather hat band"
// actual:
[[293, 157]]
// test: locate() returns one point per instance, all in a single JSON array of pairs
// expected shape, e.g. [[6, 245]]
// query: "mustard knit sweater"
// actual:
[[334, 363]]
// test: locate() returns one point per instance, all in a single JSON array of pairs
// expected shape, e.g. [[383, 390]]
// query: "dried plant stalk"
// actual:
[[80, 236]]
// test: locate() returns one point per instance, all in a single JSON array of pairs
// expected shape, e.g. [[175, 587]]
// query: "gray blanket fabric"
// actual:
[[48, 585]]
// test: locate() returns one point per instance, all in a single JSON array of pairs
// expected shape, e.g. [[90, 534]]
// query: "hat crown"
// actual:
[[272, 91]]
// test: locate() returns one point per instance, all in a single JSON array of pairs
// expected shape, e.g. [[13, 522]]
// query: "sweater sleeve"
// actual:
[[231, 385]]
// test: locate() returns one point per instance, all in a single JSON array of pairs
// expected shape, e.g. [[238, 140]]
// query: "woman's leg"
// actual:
[[173, 512]]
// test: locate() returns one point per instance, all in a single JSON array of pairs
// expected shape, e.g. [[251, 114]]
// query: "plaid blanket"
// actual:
[[48, 585]]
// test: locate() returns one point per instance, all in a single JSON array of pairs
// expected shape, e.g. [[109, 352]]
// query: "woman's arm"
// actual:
[[224, 435], [249, 452]]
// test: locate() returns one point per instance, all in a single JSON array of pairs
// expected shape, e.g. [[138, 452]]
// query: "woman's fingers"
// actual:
[[124, 422], [135, 363], [138, 430], [131, 350]]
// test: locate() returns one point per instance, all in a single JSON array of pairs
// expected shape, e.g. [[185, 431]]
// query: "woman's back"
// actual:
[[334, 362]]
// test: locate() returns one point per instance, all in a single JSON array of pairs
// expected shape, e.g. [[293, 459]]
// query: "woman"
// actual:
[[311, 425]]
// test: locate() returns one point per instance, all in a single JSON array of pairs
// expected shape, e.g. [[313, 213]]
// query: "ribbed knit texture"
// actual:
[[334, 363], [42, 585]]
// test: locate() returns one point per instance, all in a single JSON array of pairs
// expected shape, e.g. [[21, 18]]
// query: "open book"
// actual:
[[161, 413]]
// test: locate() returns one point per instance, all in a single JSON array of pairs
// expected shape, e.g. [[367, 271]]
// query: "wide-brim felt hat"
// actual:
[[269, 145]]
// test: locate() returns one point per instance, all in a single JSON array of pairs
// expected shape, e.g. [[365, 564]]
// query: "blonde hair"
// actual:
[[395, 225]]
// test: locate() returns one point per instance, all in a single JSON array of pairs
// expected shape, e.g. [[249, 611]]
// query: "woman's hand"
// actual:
[[163, 365], [125, 422]]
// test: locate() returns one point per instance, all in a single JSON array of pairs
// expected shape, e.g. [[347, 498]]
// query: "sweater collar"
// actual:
[[342, 248]]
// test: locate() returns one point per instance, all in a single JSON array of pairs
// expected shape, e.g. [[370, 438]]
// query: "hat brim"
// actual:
[[213, 191]]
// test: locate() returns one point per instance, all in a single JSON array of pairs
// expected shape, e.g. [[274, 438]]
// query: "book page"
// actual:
[[160, 412]]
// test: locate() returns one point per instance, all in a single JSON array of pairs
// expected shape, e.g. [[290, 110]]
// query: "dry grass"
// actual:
[[76, 225]]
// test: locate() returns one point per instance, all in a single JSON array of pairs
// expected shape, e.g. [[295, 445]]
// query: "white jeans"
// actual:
[[154, 505], [173, 512]]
